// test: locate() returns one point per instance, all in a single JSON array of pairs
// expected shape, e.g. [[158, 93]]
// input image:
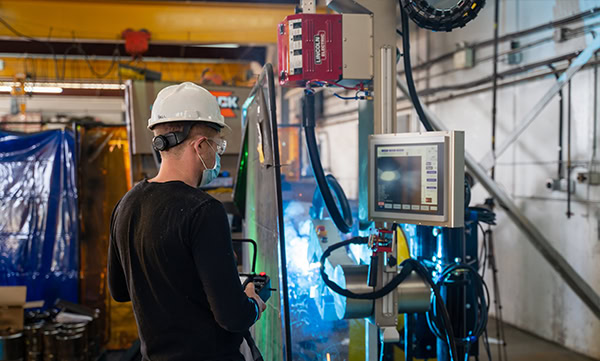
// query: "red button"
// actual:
[[262, 274]]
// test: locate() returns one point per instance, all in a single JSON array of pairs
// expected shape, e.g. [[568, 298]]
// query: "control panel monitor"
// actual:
[[417, 178]]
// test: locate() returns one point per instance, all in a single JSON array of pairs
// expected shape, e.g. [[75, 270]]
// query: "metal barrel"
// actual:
[[49, 333], [71, 347], [34, 343], [94, 335], [78, 328], [12, 347]]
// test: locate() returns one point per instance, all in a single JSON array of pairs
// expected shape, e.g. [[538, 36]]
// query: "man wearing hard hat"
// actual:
[[170, 248]]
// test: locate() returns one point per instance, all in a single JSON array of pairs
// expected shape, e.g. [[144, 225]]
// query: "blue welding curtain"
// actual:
[[38, 215]]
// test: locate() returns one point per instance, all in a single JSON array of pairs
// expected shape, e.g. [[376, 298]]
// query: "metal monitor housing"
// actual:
[[451, 213]]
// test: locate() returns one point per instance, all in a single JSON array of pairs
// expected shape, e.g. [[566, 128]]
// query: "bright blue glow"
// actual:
[[312, 336], [360, 253], [410, 231], [245, 110], [440, 242]]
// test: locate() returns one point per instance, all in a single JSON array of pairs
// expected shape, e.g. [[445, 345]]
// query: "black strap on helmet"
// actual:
[[165, 141]]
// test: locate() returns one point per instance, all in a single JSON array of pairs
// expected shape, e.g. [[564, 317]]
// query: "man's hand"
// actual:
[[250, 292]]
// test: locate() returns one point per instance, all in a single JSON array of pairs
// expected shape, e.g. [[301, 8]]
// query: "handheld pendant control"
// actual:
[[262, 284]]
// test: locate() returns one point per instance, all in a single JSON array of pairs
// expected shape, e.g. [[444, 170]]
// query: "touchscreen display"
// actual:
[[409, 178]]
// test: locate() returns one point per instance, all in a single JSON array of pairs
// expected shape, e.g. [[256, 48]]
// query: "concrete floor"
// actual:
[[523, 346]]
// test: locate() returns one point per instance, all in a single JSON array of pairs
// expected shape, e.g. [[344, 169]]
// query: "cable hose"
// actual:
[[391, 286], [343, 223], [410, 83], [407, 266], [481, 293]]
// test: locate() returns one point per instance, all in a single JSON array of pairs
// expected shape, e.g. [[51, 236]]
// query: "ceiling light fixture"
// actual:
[[35, 89], [42, 87], [226, 46]]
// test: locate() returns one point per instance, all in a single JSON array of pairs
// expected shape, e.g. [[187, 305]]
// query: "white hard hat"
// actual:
[[186, 102]]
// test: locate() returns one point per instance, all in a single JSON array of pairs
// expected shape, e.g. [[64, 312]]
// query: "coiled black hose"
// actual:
[[481, 293]]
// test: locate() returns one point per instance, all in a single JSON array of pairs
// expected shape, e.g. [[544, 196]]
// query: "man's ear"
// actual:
[[197, 144]]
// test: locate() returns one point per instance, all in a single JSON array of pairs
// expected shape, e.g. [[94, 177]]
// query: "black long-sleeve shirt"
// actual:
[[170, 254]]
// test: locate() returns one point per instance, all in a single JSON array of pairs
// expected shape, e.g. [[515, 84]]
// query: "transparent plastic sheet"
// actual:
[[38, 215]]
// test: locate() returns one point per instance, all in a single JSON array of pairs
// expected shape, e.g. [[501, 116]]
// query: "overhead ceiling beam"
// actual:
[[169, 22], [180, 52]]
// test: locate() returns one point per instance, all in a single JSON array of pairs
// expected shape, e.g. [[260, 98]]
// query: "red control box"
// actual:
[[310, 48]]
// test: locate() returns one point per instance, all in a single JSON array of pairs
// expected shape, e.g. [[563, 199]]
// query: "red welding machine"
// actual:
[[310, 48]]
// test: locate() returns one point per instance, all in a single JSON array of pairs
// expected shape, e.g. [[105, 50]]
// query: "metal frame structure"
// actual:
[[489, 160], [581, 288], [384, 55]]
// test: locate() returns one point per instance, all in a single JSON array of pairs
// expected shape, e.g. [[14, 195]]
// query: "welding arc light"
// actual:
[[442, 15]]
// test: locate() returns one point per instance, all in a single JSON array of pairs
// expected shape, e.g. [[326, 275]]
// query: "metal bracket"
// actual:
[[390, 334], [308, 6]]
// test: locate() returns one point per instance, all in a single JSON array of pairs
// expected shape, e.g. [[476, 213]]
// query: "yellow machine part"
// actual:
[[356, 347]]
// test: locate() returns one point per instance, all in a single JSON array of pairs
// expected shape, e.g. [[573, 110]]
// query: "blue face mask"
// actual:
[[208, 175]]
